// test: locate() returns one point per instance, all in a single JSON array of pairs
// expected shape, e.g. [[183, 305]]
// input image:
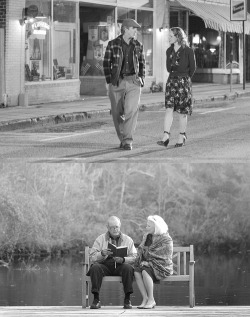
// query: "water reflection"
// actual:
[[219, 280]]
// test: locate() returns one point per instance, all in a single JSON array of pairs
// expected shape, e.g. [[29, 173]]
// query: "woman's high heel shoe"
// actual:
[[150, 306], [183, 142], [164, 143]]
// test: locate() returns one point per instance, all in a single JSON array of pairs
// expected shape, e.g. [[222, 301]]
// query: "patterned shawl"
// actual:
[[158, 255]]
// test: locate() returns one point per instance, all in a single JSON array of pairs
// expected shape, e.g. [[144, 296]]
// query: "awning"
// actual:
[[216, 16]]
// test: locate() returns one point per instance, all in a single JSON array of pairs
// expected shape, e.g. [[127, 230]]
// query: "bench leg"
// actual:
[[85, 294], [191, 286]]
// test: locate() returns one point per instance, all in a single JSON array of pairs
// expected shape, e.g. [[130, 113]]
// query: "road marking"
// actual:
[[217, 110], [70, 136]]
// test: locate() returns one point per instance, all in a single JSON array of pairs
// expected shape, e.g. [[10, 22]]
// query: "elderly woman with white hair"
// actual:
[[154, 259]]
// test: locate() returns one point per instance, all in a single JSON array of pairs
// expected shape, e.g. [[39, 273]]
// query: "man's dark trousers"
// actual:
[[98, 270]]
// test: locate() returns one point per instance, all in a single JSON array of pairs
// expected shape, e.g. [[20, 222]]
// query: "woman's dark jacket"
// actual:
[[182, 63]]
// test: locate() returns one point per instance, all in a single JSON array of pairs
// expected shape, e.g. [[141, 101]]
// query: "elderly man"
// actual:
[[124, 69], [104, 264]]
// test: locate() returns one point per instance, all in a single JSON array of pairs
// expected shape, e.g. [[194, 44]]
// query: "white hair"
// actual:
[[113, 219], [160, 225]]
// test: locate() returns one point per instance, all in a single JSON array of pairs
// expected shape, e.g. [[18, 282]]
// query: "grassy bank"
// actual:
[[65, 206]]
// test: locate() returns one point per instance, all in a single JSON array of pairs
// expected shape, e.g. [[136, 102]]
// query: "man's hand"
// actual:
[[106, 252], [144, 263], [118, 260]]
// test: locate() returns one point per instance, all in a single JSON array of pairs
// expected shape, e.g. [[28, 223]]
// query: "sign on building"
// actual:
[[238, 10]]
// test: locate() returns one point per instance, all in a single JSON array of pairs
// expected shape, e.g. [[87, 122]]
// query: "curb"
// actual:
[[85, 115]]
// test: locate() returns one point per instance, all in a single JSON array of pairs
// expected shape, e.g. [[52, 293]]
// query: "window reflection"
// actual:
[[64, 40], [97, 28], [46, 59], [37, 41]]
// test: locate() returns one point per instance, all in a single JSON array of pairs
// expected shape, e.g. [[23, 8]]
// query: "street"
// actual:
[[216, 133]]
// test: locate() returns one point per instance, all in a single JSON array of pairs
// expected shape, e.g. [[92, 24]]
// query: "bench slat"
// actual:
[[180, 278], [185, 263], [178, 263]]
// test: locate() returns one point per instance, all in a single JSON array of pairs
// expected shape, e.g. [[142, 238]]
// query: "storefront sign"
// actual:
[[238, 10], [40, 27], [40, 24]]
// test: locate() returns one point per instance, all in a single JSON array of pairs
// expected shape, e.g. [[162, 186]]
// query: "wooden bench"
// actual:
[[183, 271]]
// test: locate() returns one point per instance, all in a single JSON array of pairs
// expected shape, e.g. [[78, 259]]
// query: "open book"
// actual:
[[118, 251]]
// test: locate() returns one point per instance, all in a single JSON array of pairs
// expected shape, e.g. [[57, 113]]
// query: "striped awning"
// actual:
[[216, 17]]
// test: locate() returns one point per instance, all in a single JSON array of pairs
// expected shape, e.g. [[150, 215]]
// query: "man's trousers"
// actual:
[[98, 270], [125, 107]]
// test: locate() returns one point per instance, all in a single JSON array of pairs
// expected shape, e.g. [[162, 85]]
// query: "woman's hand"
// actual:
[[144, 263]]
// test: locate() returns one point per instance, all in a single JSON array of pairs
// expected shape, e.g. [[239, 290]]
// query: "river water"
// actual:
[[219, 280]]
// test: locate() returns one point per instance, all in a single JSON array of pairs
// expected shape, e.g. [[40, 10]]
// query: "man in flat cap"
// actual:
[[124, 69]]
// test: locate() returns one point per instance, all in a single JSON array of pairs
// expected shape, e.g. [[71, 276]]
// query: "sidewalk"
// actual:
[[12, 118]]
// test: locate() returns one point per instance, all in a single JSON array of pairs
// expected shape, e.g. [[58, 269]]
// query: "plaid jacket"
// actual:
[[113, 58]]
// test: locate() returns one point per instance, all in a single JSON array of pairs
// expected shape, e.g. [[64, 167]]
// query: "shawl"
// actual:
[[158, 255]]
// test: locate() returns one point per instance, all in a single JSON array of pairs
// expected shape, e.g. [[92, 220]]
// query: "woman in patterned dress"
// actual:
[[154, 259], [181, 66]]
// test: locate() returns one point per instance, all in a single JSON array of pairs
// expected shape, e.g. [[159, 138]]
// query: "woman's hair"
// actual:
[[180, 35], [160, 225]]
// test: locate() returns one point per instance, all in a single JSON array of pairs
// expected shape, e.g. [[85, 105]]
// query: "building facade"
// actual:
[[52, 50], [217, 41]]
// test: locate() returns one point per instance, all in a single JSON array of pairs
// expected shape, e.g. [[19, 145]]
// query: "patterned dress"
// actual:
[[181, 66]]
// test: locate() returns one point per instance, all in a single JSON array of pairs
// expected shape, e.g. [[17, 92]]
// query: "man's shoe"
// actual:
[[96, 304], [127, 147], [127, 304]]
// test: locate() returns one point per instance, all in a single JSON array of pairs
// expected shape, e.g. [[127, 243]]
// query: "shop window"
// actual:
[[178, 18], [97, 28], [125, 13], [206, 43], [64, 40], [145, 35], [37, 41], [50, 50], [232, 49]]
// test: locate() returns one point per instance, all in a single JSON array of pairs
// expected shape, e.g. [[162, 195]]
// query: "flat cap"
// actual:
[[130, 22]]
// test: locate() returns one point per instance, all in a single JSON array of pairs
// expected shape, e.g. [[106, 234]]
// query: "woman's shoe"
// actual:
[[183, 142], [150, 306], [144, 302], [164, 143]]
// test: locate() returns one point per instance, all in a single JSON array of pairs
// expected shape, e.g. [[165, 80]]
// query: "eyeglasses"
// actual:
[[114, 227]]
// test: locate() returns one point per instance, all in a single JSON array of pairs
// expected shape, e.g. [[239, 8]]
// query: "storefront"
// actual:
[[215, 39], [99, 23], [55, 48]]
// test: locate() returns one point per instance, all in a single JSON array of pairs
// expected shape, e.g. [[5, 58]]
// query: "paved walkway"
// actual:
[[90, 106], [163, 311]]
